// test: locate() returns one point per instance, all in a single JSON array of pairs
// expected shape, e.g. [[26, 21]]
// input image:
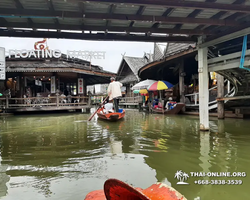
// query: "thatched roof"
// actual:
[[96, 74], [158, 54], [136, 63], [133, 64], [175, 48], [61, 62]]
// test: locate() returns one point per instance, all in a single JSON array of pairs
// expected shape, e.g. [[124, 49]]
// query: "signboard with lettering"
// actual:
[[53, 84], [2, 64], [80, 85], [42, 51], [24, 53]]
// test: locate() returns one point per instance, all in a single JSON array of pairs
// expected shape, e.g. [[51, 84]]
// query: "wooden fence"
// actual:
[[55, 101], [49, 103], [130, 100]]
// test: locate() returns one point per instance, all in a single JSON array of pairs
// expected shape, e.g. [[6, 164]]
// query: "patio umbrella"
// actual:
[[159, 85], [143, 91], [136, 91], [143, 84]]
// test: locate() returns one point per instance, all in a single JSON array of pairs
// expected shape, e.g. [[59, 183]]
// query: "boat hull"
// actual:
[[174, 111], [110, 116]]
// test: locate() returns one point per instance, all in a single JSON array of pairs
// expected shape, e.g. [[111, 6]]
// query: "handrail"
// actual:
[[213, 104], [136, 99], [57, 101], [208, 90]]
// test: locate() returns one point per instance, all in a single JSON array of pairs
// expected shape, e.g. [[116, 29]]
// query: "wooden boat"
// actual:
[[117, 190], [173, 111], [110, 116]]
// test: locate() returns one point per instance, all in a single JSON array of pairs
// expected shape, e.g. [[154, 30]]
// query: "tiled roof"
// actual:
[[181, 21], [129, 78], [174, 48], [135, 64], [62, 62], [158, 54]]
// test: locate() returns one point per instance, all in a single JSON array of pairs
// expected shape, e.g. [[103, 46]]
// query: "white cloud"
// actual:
[[113, 49]]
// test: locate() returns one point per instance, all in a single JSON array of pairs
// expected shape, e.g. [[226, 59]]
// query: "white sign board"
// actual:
[[2, 64], [80, 85]]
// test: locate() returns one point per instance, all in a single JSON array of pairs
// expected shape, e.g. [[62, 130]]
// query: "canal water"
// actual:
[[62, 156]]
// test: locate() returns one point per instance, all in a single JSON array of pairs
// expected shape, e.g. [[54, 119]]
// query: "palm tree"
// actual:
[[178, 175], [181, 176], [185, 176]]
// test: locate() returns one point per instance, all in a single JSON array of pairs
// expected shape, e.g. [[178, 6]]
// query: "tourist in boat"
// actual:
[[158, 106], [114, 92], [155, 102], [108, 108], [170, 104]]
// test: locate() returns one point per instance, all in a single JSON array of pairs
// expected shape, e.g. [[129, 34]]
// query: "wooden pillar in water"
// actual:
[[181, 82], [22, 85], [220, 94], [203, 87]]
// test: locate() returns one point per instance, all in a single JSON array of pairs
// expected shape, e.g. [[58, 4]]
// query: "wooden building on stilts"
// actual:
[[49, 84]]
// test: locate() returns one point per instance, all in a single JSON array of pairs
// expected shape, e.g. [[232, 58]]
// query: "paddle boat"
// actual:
[[117, 190], [110, 116], [173, 111]]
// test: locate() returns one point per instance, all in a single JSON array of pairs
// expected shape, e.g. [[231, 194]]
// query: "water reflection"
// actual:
[[53, 156], [3, 176], [51, 148]]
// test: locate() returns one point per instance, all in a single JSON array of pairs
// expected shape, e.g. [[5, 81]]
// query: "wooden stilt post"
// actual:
[[203, 87], [181, 83], [89, 100], [220, 94], [221, 126]]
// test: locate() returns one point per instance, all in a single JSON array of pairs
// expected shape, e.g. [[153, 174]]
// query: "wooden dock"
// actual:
[[227, 114], [130, 101], [44, 104]]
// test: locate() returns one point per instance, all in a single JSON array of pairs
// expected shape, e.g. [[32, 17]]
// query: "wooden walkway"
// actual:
[[43, 104], [227, 114], [130, 101]]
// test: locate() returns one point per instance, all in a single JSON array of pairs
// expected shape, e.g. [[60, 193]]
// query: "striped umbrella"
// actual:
[[143, 84], [160, 85]]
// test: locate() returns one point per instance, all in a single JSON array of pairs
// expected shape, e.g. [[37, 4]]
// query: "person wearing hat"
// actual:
[[114, 92], [170, 103]]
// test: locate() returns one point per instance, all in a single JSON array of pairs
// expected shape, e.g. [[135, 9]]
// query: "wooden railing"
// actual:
[[229, 61], [130, 100], [212, 104], [43, 101]]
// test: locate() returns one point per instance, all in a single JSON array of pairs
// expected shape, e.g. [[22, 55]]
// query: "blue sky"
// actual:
[[113, 55]]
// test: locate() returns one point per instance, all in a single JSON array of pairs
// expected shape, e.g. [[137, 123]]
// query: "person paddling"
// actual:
[[114, 92]]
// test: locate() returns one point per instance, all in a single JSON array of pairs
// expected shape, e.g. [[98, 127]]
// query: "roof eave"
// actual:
[[156, 62]]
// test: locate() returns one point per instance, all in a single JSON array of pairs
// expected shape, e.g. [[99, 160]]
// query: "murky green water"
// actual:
[[64, 157]]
